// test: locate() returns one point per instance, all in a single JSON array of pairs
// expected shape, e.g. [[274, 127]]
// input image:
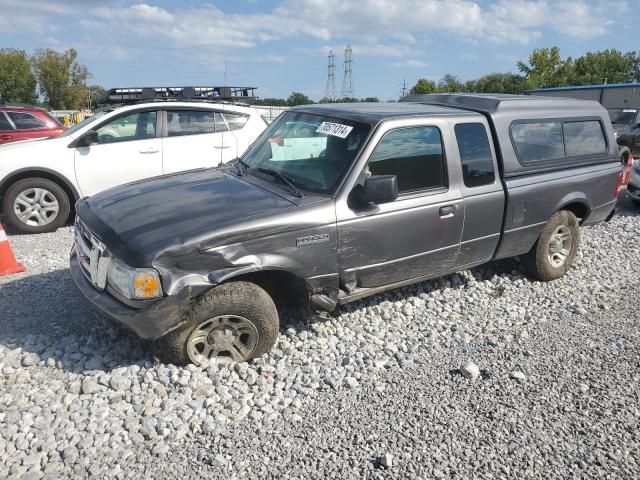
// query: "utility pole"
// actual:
[[404, 88], [330, 89], [347, 80]]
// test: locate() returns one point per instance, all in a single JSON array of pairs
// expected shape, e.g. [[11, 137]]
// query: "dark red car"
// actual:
[[24, 122]]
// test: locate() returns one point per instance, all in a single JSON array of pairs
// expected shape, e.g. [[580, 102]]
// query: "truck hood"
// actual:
[[141, 220]]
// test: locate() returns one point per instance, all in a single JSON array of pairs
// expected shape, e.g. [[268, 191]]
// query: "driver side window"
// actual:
[[415, 155], [132, 126]]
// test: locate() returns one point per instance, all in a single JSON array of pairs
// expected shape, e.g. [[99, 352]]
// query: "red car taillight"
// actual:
[[624, 176]]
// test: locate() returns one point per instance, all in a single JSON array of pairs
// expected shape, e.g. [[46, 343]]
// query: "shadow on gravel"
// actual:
[[45, 314], [626, 207], [508, 267]]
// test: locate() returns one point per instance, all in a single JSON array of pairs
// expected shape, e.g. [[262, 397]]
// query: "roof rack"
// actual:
[[153, 94]]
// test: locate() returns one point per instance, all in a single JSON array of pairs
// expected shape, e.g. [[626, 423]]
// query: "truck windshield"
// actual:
[[313, 152]]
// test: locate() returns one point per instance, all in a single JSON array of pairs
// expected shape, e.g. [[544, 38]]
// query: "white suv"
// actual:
[[40, 180]]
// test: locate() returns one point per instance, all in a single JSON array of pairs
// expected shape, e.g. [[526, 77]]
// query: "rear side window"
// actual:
[[25, 121], [190, 122], [235, 120], [584, 138], [545, 141], [414, 155], [475, 154], [538, 141], [4, 123]]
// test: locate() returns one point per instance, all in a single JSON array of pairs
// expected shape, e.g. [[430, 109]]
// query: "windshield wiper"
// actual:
[[284, 178]]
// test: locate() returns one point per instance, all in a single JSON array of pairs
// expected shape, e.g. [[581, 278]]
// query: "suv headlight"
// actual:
[[134, 283]]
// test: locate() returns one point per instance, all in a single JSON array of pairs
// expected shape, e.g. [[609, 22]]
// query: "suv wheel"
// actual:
[[556, 248], [36, 205], [233, 322]]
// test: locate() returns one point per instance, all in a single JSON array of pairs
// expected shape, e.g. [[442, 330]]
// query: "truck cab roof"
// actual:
[[493, 103], [374, 113]]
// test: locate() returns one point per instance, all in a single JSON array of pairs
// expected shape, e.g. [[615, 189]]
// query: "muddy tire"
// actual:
[[234, 322], [555, 250]]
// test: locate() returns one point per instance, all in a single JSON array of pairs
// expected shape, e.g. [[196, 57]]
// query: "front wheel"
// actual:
[[233, 322], [556, 248], [36, 205]]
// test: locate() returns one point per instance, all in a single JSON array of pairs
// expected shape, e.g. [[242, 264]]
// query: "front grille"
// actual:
[[92, 254]]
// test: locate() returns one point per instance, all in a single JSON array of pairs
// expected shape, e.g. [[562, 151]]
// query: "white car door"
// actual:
[[128, 149], [196, 138]]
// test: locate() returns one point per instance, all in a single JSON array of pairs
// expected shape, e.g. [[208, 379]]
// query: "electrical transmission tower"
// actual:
[[330, 89], [347, 80]]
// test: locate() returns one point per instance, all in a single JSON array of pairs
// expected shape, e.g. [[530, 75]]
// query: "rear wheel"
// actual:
[[556, 248], [234, 322], [36, 205]]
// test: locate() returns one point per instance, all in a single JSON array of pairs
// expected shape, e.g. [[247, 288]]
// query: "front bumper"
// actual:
[[151, 322]]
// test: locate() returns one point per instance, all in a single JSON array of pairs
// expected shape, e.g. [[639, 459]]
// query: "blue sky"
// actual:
[[282, 45]]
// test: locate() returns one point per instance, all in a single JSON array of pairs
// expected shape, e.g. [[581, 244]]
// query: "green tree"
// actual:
[[610, 66], [61, 79], [423, 85], [371, 100], [450, 84], [95, 95], [546, 68], [497, 83], [347, 100], [298, 98], [17, 81]]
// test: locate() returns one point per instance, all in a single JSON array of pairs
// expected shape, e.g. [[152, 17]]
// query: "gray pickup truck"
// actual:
[[337, 202]]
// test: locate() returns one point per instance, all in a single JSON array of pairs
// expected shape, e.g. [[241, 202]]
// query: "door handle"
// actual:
[[221, 148], [149, 150], [6, 137], [447, 211]]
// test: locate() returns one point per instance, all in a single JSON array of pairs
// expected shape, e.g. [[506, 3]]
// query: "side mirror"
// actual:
[[379, 189], [88, 139]]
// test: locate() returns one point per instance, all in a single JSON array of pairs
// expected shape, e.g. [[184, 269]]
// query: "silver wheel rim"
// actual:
[[225, 338], [36, 207], [560, 246]]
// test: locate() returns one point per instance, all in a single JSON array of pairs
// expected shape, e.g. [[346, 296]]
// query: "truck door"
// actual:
[[482, 191], [419, 233]]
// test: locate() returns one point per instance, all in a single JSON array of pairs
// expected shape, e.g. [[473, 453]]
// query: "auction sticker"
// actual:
[[335, 129]]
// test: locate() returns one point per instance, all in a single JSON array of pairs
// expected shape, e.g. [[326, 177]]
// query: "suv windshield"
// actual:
[[623, 116], [312, 152]]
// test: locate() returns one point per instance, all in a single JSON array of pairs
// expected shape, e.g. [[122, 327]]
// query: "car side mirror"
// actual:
[[88, 139], [379, 189]]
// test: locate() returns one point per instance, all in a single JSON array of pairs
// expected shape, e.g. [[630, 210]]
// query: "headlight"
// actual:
[[134, 283]]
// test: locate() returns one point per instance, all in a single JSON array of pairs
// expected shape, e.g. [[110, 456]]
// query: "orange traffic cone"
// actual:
[[8, 264]]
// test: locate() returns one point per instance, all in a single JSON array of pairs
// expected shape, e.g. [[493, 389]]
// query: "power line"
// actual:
[[347, 80], [330, 89]]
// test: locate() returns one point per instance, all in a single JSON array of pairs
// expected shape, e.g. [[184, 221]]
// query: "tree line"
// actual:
[[545, 68], [60, 82], [54, 76]]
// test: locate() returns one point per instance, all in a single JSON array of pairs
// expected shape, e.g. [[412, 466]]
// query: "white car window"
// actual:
[[132, 126], [235, 120], [190, 122]]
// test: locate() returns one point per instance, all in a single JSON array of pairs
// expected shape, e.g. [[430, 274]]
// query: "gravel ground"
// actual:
[[547, 388]]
